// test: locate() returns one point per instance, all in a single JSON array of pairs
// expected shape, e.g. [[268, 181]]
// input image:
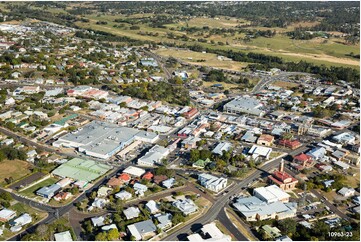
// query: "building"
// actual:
[[81, 170], [346, 192], [142, 230], [282, 179], [154, 156], [253, 209], [271, 194], [152, 206], [317, 153], [304, 161], [123, 195], [244, 105], [186, 206], [212, 183], [291, 144], [223, 146], [98, 221], [48, 192], [22, 220], [103, 140], [63, 236], [209, 232], [191, 113], [260, 151], [271, 232], [169, 183], [201, 163], [6, 214], [131, 212], [134, 171], [164, 221], [266, 139], [140, 189]]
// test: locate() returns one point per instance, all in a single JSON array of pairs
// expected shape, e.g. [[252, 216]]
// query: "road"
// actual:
[[215, 211]]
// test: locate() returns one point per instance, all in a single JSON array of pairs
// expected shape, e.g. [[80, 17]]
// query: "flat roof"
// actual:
[[81, 169]]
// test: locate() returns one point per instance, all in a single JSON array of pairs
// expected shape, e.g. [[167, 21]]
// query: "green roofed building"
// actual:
[[201, 163], [62, 121], [81, 170]]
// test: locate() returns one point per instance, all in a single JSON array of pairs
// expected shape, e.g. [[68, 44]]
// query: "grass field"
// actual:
[[13, 168], [192, 57], [317, 51], [284, 84], [30, 192]]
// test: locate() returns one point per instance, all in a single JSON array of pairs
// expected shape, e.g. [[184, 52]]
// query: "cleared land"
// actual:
[[13, 168], [284, 84]]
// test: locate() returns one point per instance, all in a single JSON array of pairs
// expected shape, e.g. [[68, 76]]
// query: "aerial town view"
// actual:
[[180, 121]]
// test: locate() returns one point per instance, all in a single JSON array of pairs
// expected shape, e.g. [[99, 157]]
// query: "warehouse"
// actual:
[[103, 140], [246, 104]]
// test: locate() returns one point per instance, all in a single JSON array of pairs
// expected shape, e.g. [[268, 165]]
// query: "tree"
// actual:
[[113, 234], [6, 196], [177, 218], [288, 226], [42, 230], [194, 155], [102, 236]]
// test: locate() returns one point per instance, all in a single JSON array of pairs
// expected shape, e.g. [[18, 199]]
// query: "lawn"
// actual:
[[13, 168], [30, 192]]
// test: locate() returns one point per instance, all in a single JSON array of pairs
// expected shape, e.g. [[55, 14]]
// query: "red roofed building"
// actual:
[[115, 182], [148, 176], [292, 144], [282, 179], [191, 113], [124, 177], [304, 160]]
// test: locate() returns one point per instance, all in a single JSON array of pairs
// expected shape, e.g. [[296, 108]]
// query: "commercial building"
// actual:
[[209, 232], [134, 171], [265, 139], [48, 192], [103, 140], [282, 179], [260, 151], [271, 194], [246, 104], [212, 183], [253, 209], [6, 215], [81, 170], [153, 156]]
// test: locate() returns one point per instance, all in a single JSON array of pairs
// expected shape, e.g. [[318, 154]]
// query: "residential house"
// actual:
[[346, 192], [98, 221], [304, 161], [61, 196], [164, 220], [140, 189], [131, 212], [317, 153], [152, 206], [271, 232], [186, 206], [123, 195], [169, 183], [201, 163], [223, 146], [63, 236], [211, 182], [142, 230], [6, 214], [22, 220]]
